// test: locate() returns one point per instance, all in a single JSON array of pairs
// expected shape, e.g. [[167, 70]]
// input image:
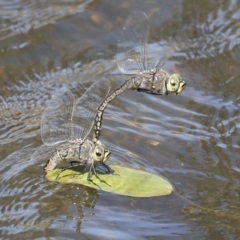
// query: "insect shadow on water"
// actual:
[[132, 62], [65, 126]]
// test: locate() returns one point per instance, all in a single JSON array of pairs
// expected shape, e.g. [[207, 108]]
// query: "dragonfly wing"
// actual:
[[43, 153], [57, 118], [166, 50], [132, 54], [85, 109], [16, 158]]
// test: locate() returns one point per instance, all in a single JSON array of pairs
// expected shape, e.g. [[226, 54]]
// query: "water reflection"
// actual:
[[21, 183], [192, 139]]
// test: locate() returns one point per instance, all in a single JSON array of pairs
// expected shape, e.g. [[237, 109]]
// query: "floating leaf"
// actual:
[[124, 181]]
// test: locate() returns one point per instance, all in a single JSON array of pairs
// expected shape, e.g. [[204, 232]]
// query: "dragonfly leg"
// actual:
[[64, 169], [90, 180], [92, 170], [89, 172], [108, 168]]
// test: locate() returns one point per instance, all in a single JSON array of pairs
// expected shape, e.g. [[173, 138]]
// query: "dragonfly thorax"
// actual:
[[152, 81], [158, 82]]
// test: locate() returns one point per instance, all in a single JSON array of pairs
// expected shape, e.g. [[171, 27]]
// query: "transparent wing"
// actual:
[[43, 153], [85, 109], [16, 158], [165, 51], [57, 118], [132, 54]]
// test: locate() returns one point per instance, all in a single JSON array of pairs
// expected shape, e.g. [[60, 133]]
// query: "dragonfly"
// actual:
[[132, 61], [65, 126]]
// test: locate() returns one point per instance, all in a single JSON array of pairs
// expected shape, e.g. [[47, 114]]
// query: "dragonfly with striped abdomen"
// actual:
[[65, 126], [132, 61]]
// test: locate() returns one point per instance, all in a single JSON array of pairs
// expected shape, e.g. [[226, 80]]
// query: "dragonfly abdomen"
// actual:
[[52, 162], [71, 153], [129, 84]]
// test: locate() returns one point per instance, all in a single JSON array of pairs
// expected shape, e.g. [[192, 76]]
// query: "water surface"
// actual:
[[191, 139]]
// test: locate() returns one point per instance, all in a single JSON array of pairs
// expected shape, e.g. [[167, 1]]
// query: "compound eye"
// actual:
[[98, 153], [173, 82]]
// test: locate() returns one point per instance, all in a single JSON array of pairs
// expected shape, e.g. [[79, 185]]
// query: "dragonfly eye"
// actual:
[[173, 83], [98, 154]]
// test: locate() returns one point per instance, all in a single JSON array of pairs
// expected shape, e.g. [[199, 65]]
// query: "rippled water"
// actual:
[[192, 139]]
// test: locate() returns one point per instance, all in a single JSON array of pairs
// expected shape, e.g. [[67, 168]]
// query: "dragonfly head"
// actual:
[[175, 84], [100, 154]]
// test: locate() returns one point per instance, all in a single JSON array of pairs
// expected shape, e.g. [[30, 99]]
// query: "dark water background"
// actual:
[[192, 139]]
